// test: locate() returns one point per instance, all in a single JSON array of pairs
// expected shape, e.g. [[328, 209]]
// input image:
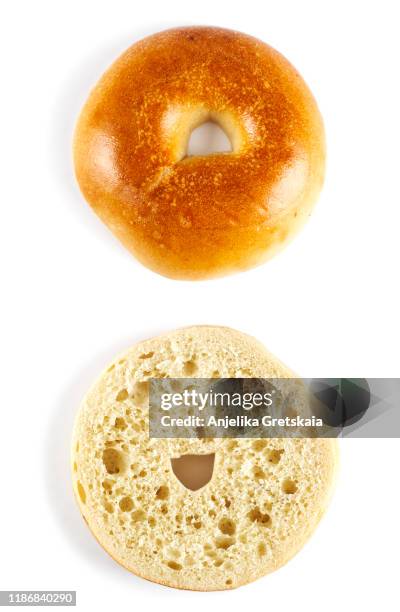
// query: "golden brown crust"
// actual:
[[204, 216]]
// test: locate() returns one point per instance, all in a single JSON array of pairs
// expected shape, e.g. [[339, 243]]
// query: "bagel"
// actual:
[[200, 514], [202, 216]]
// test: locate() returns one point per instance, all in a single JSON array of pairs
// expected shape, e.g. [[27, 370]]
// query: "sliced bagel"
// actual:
[[194, 513]]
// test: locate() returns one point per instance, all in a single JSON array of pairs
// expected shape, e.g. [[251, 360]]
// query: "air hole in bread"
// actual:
[[141, 392], [190, 367], [108, 485], [81, 492], [126, 504], [227, 526], [224, 542], [174, 565], [162, 492], [256, 516], [120, 423], [228, 582], [146, 355], [259, 445], [138, 515], [193, 471], [259, 474], [261, 549], [122, 395], [289, 486], [274, 456], [114, 461]]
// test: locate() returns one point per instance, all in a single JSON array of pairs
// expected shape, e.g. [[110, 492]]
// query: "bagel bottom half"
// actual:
[[262, 502]]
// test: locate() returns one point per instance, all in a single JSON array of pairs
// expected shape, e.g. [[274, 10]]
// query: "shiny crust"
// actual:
[[200, 217]]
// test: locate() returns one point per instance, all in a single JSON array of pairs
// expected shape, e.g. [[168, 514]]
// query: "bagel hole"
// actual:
[[208, 138], [193, 471]]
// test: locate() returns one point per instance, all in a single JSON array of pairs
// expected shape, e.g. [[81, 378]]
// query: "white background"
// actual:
[[73, 297]]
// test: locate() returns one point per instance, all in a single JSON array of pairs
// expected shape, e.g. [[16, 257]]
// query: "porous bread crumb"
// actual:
[[263, 501]]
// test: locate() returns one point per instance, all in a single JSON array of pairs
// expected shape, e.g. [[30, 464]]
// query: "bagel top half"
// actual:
[[255, 503], [202, 216]]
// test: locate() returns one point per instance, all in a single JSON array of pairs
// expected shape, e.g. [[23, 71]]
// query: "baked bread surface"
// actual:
[[203, 216], [263, 501]]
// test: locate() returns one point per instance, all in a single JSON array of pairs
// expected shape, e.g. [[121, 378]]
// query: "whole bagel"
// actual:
[[203, 216]]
